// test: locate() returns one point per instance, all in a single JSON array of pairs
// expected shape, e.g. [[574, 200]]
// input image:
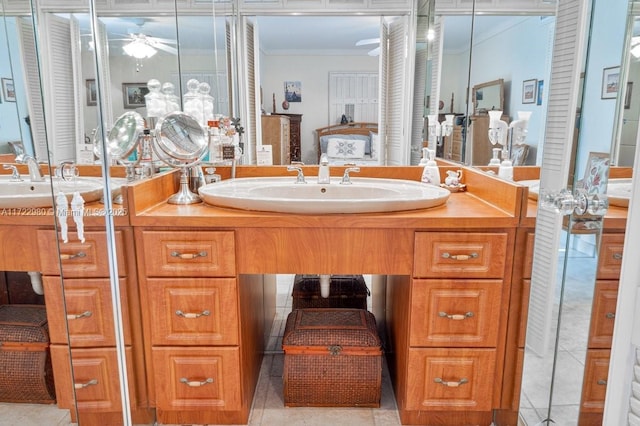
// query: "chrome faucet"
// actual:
[[346, 179], [323, 171], [300, 177], [34, 168]]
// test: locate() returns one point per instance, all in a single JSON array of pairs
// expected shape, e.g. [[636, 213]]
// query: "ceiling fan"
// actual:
[[140, 45], [369, 41]]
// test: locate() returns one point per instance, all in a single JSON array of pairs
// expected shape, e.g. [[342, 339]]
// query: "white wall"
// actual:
[[515, 54], [313, 73]]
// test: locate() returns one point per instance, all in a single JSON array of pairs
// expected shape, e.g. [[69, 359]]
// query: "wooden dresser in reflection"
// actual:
[[295, 143]]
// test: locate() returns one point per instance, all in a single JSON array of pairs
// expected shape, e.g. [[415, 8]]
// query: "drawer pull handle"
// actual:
[[459, 256], [610, 315], [202, 253], [204, 313], [78, 255], [85, 314], [91, 382], [196, 383], [457, 317], [617, 256], [602, 382], [451, 384]]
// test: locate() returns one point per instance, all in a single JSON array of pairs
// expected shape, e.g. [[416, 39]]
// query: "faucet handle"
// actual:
[[300, 177], [346, 179], [67, 170], [15, 174]]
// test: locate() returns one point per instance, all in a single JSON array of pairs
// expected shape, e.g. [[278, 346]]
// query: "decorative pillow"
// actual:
[[375, 145], [345, 148], [324, 139]]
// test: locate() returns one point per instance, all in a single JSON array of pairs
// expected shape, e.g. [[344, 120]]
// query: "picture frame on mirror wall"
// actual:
[[8, 90], [610, 82], [92, 95], [133, 94], [529, 91], [540, 92]]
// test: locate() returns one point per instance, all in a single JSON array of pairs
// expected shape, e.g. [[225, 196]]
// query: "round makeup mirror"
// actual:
[[122, 139], [181, 142]]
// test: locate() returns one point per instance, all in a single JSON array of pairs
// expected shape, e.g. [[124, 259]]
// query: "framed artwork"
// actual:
[[610, 82], [529, 91], [92, 96], [8, 90], [596, 174], [293, 91], [540, 91], [627, 95], [133, 94]]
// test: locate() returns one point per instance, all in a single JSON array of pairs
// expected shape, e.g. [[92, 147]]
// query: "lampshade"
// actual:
[[139, 49]]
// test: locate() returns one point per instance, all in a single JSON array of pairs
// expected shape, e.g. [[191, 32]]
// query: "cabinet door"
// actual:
[[94, 378], [610, 258], [455, 312], [459, 255], [189, 254], [193, 311], [197, 378], [603, 314], [88, 317], [594, 386], [451, 379]]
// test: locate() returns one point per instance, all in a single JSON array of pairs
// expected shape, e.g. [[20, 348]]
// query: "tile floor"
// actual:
[[268, 407]]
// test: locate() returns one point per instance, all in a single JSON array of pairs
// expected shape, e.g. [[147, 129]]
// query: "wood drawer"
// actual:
[[594, 386], [610, 257], [197, 378], [189, 253], [88, 259], [95, 378], [459, 255], [603, 314], [193, 311], [89, 311], [455, 313], [451, 379]]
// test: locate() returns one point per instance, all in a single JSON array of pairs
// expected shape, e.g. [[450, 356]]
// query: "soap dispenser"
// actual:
[[431, 173], [425, 157], [505, 171]]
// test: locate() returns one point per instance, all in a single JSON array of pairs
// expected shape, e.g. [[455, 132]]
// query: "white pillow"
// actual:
[[375, 145], [345, 148]]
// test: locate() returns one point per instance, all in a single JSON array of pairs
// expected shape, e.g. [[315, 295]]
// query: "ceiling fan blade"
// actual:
[[374, 52], [366, 41], [167, 49]]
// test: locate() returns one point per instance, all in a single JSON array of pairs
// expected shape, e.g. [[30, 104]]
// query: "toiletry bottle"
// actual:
[[425, 157], [431, 173], [505, 171]]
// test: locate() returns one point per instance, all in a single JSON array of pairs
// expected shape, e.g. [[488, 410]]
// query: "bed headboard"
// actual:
[[359, 128]]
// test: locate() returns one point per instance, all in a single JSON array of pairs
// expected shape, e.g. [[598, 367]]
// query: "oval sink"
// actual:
[[38, 194], [364, 195]]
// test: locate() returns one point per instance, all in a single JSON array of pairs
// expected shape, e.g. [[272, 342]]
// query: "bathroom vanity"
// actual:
[[196, 304]]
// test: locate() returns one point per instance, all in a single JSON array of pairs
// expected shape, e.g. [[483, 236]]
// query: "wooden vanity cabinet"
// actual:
[[447, 324], [81, 325], [603, 312], [203, 361]]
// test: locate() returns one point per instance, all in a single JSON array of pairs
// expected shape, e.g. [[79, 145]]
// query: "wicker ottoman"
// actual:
[[25, 366], [345, 291], [332, 358]]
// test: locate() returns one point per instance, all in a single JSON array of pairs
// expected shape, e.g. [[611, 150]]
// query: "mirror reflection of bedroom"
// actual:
[[323, 82]]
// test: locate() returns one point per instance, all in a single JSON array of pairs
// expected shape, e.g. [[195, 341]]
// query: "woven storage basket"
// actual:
[[333, 357], [25, 366], [345, 291]]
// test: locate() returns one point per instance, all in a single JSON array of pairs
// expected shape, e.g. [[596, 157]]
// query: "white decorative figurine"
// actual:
[[62, 208], [77, 209]]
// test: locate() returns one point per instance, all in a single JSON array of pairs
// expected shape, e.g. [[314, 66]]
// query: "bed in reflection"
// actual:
[[349, 144]]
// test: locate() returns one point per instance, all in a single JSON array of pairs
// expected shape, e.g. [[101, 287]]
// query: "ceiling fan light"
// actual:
[[139, 49]]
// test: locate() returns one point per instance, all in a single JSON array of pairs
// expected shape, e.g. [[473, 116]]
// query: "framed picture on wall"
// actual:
[[540, 91], [610, 82], [8, 90], [133, 94], [293, 91], [529, 91], [92, 96]]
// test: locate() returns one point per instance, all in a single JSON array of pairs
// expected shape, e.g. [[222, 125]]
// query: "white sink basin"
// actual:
[[364, 195], [38, 194]]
